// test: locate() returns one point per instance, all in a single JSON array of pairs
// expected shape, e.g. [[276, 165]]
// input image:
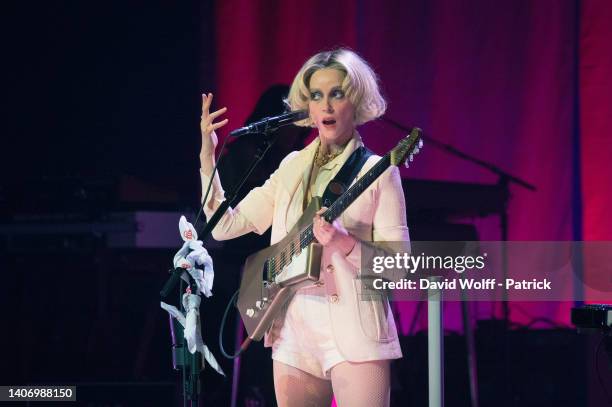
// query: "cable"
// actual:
[[221, 328], [212, 177]]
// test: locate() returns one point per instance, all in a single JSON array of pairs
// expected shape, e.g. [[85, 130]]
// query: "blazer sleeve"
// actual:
[[388, 219], [253, 214], [389, 222]]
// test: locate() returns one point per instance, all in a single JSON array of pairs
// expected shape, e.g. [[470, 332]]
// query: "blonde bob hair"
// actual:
[[360, 84]]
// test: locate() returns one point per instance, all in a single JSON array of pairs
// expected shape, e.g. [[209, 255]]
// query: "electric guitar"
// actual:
[[272, 275]]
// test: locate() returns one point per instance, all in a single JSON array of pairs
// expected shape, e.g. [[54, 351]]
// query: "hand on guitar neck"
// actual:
[[332, 234]]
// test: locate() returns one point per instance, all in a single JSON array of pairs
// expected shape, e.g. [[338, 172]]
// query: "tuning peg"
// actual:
[[416, 150], [421, 143], [411, 157], [406, 164]]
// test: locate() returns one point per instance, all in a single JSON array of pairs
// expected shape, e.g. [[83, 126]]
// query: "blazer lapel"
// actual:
[[295, 180]]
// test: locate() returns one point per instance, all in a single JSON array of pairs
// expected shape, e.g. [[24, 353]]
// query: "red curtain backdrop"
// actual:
[[496, 80], [596, 124]]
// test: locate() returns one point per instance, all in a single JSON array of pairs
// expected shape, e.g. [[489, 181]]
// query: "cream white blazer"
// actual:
[[364, 329]]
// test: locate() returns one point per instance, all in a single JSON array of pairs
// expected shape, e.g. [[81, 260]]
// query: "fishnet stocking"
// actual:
[[296, 388], [365, 384]]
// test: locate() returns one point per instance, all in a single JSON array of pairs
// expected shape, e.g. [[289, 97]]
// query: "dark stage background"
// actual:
[[103, 111]]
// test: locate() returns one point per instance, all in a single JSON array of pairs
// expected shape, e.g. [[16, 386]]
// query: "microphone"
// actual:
[[270, 124]]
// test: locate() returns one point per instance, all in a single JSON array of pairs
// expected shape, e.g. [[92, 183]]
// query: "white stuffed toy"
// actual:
[[189, 257]]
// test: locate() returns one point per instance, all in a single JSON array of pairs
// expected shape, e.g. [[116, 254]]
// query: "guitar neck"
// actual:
[[408, 146], [348, 197]]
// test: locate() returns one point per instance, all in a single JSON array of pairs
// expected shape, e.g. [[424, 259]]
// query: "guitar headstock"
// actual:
[[407, 148]]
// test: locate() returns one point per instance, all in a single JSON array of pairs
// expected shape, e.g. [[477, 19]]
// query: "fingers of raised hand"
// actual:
[[217, 125], [206, 101], [217, 113], [206, 122]]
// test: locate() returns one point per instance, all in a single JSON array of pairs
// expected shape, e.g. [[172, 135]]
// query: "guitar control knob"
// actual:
[[260, 304], [250, 312]]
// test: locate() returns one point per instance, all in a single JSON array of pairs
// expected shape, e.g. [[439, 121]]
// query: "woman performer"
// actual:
[[328, 341]]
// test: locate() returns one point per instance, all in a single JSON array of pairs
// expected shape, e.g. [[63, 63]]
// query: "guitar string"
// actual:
[[307, 234]]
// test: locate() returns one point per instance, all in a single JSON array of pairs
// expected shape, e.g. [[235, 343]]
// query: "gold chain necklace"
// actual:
[[322, 159]]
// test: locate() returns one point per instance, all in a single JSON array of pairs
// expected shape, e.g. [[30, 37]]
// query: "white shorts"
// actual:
[[305, 340]]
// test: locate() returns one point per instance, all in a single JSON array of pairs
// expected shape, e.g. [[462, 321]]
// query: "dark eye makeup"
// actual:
[[315, 95], [336, 93]]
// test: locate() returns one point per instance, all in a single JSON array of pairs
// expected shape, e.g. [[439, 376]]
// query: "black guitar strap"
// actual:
[[345, 176]]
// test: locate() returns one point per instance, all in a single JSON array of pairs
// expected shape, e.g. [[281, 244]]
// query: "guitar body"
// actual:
[[263, 291]]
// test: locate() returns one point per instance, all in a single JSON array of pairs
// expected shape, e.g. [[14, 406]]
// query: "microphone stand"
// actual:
[[503, 185], [191, 364]]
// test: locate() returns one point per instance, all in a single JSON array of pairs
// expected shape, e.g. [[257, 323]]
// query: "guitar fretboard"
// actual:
[[305, 237], [348, 197], [409, 145]]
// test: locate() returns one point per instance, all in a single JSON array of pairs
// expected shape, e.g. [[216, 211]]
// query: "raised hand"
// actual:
[[208, 126]]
